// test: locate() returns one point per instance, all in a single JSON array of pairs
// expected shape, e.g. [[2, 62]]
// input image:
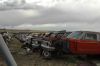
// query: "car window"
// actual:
[[99, 37], [90, 36], [75, 35]]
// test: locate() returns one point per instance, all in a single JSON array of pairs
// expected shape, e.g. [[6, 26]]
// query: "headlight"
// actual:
[[48, 43], [34, 42]]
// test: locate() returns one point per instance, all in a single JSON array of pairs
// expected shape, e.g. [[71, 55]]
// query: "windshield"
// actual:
[[75, 35]]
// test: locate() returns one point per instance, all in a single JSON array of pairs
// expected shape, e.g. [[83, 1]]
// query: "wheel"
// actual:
[[29, 51], [46, 54]]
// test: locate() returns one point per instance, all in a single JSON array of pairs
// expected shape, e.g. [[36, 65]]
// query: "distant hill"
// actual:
[[21, 31]]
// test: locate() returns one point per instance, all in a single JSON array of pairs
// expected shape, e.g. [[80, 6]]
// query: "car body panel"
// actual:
[[80, 46], [88, 47]]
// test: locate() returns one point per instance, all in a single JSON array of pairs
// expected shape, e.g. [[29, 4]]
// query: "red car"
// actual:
[[78, 42]]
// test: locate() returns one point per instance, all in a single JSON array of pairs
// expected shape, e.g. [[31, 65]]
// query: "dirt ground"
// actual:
[[36, 60]]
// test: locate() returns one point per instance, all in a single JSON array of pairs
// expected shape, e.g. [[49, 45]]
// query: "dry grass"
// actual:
[[2, 62], [36, 60]]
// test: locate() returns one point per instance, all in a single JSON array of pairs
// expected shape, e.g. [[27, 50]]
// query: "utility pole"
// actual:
[[6, 53]]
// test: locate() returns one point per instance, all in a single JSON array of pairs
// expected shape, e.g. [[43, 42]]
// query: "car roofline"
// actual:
[[89, 32]]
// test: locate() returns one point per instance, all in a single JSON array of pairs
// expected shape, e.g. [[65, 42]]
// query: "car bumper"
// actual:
[[48, 48], [35, 46]]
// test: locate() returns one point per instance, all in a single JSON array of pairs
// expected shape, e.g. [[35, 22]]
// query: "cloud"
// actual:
[[83, 10], [51, 14], [29, 13], [17, 17], [26, 4]]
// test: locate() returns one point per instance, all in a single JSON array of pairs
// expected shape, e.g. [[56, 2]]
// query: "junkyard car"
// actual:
[[78, 42], [37, 41]]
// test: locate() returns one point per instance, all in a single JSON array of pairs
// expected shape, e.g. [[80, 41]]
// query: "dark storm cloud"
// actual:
[[13, 17], [49, 15]]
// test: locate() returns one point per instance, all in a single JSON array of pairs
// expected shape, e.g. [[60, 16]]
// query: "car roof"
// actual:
[[89, 32]]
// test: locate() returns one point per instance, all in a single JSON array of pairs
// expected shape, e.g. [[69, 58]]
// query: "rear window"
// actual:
[[90, 36]]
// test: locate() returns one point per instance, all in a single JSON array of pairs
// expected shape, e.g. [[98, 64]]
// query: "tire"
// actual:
[[28, 51], [46, 54]]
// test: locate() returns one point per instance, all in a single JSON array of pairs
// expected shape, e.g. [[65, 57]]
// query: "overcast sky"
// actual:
[[50, 14]]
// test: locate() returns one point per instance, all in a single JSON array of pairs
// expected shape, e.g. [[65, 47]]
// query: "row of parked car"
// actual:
[[64, 43]]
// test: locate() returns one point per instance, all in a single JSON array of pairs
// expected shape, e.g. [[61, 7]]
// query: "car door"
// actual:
[[88, 44], [99, 43]]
